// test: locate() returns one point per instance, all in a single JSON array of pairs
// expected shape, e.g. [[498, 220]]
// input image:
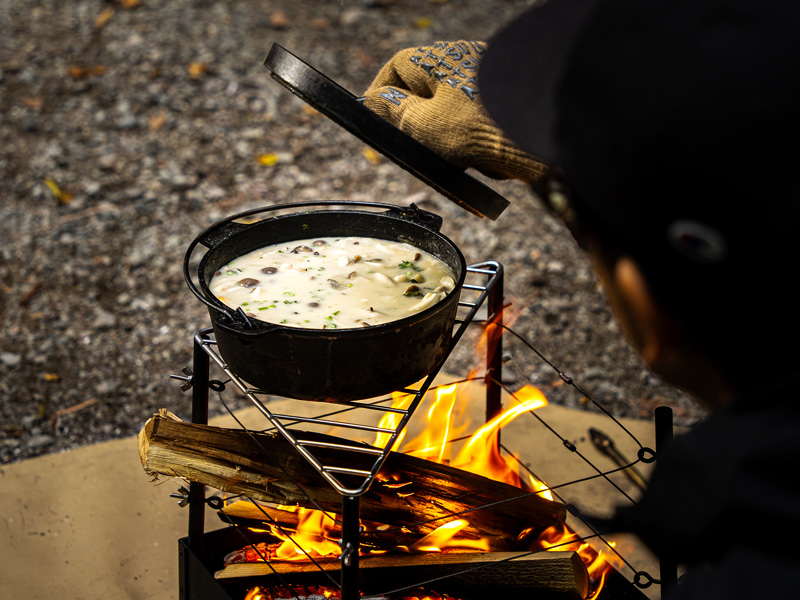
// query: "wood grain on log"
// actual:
[[411, 492], [472, 575]]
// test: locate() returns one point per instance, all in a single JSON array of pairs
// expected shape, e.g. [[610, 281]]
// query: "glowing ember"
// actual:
[[323, 593]]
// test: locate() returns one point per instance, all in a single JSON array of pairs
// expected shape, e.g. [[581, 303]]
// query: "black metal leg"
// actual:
[[664, 435], [494, 349], [350, 546], [197, 491]]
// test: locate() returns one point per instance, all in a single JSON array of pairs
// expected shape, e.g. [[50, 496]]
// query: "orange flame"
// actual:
[[258, 593], [481, 454], [432, 443], [391, 420], [597, 563], [309, 540], [443, 536]]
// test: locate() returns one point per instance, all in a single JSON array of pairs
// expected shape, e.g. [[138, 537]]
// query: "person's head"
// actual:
[[673, 125]]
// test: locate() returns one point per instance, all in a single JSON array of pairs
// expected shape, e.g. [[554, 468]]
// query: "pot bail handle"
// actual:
[[247, 322]]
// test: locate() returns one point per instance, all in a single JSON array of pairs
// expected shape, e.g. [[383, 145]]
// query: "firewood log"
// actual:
[[542, 575], [408, 492], [375, 536]]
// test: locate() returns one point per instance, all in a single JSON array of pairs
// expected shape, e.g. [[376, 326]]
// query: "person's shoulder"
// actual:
[[744, 573]]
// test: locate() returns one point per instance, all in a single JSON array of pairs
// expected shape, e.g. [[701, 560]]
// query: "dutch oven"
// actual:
[[342, 364], [334, 365]]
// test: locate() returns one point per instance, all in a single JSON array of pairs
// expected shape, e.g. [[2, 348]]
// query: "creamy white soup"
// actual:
[[334, 282]]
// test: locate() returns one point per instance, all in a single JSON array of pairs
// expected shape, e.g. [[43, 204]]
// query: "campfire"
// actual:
[[433, 512], [314, 532]]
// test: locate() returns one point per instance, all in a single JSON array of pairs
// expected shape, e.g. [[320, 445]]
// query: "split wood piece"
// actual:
[[374, 537], [542, 575], [411, 492]]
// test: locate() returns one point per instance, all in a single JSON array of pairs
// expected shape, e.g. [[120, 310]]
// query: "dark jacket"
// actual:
[[724, 500]]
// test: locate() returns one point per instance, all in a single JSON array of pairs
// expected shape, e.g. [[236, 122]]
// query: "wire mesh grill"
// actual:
[[490, 271], [287, 423]]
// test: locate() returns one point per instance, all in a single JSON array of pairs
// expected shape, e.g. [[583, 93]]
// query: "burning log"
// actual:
[[542, 575], [417, 494], [376, 537]]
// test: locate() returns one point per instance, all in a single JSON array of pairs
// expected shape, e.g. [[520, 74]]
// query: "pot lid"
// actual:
[[346, 110]]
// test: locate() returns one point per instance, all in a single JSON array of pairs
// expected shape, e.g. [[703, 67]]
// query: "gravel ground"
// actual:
[[128, 127]]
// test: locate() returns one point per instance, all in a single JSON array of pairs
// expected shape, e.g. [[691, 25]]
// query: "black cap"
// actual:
[[674, 121]]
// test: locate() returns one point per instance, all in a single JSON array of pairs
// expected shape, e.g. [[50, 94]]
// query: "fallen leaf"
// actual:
[[319, 23], [279, 20], [59, 194], [103, 18], [310, 110], [77, 72], [33, 103], [268, 160], [373, 157], [422, 22], [129, 3], [28, 296], [51, 377], [155, 122], [197, 70]]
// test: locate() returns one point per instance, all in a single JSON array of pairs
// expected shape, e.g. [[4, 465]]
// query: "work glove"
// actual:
[[431, 93]]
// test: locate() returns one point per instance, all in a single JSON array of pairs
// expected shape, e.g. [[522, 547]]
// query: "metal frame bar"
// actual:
[[492, 270], [193, 547], [668, 566], [204, 352]]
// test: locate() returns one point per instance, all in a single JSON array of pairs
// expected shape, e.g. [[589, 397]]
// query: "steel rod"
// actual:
[[197, 491], [346, 471], [664, 434], [344, 447], [494, 350], [493, 270], [378, 407], [332, 446], [330, 423], [350, 546]]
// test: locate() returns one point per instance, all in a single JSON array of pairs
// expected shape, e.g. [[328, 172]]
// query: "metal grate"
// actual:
[[481, 280]]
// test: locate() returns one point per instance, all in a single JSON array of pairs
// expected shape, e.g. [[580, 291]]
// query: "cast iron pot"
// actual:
[[334, 365]]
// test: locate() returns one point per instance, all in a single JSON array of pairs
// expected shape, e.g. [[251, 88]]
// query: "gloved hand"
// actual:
[[431, 93]]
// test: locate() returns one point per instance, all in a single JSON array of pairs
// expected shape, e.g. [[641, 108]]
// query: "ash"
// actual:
[[129, 127]]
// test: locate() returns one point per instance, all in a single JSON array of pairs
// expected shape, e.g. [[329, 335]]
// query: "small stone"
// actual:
[[104, 319], [10, 359], [39, 441]]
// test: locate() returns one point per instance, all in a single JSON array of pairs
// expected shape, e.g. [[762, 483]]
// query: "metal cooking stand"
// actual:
[[490, 292]]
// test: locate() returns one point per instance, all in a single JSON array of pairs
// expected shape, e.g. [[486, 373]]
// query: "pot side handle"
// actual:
[[416, 215], [210, 238], [218, 233]]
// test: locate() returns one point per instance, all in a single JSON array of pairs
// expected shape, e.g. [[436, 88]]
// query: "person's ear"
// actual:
[[650, 325]]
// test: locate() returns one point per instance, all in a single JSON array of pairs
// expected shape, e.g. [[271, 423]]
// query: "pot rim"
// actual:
[[238, 322]]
